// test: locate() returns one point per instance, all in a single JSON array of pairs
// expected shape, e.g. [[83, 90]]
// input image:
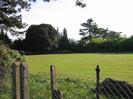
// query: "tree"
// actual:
[[10, 14], [4, 38], [91, 30], [41, 38], [112, 35], [18, 44], [64, 41]]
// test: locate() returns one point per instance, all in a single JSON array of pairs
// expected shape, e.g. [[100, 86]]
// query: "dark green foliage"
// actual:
[[10, 14], [4, 37], [97, 39], [40, 38], [73, 45], [91, 30], [128, 44], [63, 40], [18, 44], [103, 45], [45, 39]]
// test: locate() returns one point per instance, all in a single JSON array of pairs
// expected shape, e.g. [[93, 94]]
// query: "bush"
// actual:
[[7, 57]]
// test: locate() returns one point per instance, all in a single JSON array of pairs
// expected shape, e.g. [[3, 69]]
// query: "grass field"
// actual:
[[117, 66]]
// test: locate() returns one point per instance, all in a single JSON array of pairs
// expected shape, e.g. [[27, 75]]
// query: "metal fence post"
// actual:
[[24, 92], [56, 94], [97, 81], [15, 82]]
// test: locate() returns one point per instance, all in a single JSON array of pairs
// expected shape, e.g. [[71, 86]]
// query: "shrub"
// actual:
[[7, 57]]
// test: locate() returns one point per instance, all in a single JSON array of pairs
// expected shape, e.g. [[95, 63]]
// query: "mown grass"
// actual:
[[115, 65]]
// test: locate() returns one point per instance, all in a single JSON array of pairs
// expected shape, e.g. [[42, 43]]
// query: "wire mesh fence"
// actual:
[[70, 87], [74, 87], [39, 86], [116, 89], [61, 86], [5, 82], [78, 88]]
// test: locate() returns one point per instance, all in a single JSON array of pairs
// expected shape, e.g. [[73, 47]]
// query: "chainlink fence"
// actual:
[[72, 87], [62, 86], [69, 86], [5, 83], [114, 89]]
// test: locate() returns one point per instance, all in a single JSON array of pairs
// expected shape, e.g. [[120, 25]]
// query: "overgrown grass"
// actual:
[[71, 88], [117, 66], [6, 88]]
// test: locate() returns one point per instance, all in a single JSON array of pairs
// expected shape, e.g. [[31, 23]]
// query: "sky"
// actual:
[[112, 14]]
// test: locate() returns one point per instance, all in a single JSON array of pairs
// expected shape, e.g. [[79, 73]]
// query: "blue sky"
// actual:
[[113, 14]]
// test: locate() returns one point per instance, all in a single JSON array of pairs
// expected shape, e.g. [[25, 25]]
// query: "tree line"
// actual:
[[44, 38]]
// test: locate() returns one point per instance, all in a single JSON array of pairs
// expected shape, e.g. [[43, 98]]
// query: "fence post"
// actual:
[[1, 77], [56, 94], [97, 81], [24, 92], [15, 82]]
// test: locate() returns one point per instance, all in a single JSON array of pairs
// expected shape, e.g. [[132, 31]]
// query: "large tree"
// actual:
[[10, 14], [92, 30], [41, 38]]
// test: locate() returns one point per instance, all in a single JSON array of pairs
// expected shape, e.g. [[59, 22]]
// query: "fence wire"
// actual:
[[39, 86], [74, 87], [66, 87], [70, 87], [116, 89], [5, 82]]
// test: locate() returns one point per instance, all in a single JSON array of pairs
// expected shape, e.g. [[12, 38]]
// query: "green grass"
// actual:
[[118, 66], [71, 88]]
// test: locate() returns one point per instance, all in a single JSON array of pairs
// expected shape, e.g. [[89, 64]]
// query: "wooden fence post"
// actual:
[[1, 77], [56, 94], [24, 92], [97, 81], [15, 81]]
